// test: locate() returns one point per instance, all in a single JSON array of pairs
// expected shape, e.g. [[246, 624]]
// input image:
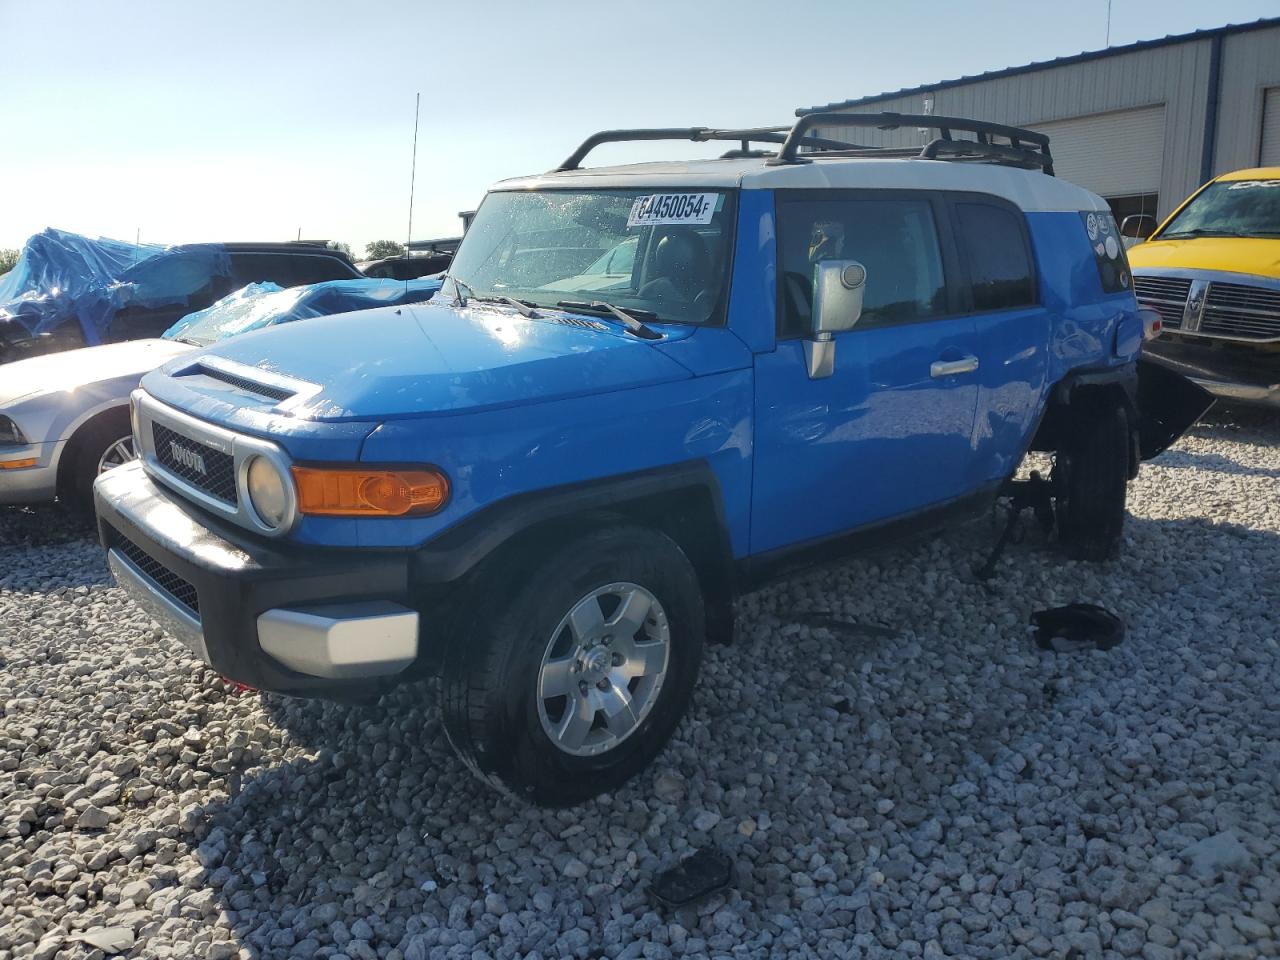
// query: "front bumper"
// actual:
[[301, 621], [37, 483], [1229, 370]]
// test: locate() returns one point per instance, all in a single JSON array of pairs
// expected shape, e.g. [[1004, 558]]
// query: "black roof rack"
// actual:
[[745, 137], [1023, 148]]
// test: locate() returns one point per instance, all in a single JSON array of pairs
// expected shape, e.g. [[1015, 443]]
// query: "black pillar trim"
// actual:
[[1211, 109]]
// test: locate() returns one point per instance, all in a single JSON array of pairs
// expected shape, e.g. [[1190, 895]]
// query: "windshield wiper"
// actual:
[[1201, 232], [459, 299], [633, 325], [524, 306]]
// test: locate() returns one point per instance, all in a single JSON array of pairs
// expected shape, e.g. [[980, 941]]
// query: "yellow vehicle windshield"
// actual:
[[1229, 208]]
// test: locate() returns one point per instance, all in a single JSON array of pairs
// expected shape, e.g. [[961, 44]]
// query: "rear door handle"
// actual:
[[949, 368]]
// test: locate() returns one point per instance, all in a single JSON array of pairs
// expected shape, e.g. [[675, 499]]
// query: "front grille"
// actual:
[[1241, 311], [248, 386], [175, 586], [199, 464], [1167, 294]]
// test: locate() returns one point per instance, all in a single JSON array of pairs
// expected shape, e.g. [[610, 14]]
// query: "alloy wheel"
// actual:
[[603, 669]]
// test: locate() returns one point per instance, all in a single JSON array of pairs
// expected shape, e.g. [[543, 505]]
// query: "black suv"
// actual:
[[152, 295]]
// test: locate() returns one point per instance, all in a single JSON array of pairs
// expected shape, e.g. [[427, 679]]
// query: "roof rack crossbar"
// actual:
[[1026, 148], [974, 150], [745, 138]]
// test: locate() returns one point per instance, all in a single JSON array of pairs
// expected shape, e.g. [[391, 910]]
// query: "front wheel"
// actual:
[[100, 446], [576, 680]]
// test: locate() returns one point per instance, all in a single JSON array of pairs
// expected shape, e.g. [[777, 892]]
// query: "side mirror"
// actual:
[[1138, 226], [837, 307]]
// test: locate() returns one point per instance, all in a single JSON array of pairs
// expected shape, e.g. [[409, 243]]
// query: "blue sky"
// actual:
[[247, 119]]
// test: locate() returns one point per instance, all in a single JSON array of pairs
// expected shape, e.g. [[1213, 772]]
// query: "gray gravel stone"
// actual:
[[945, 789]]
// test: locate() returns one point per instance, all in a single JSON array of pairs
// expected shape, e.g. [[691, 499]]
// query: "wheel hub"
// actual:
[[595, 663], [603, 669]]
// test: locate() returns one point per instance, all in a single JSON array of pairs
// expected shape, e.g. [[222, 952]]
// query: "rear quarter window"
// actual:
[[994, 242], [1108, 250]]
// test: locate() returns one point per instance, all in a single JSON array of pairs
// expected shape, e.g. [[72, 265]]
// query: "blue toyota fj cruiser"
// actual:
[[641, 390]]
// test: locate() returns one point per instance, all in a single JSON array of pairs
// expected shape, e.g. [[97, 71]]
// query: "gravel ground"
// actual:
[[895, 768]]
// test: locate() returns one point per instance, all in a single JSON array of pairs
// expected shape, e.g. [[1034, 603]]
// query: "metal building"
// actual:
[[1142, 125]]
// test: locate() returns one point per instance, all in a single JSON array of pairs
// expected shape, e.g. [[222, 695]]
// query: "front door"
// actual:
[[891, 430]]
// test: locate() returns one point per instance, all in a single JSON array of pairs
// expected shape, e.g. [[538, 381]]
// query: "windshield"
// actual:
[[1230, 208], [661, 253]]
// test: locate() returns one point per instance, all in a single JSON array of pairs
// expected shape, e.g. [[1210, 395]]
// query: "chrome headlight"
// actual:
[[268, 491], [10, 435]]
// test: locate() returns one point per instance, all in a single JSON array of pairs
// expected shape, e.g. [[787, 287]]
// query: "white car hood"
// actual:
[[70, 369]]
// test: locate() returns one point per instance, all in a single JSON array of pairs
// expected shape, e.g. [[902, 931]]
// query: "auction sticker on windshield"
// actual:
[[665, 208]]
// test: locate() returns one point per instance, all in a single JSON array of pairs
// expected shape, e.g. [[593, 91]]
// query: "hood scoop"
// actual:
[[248, 386], [253, 381]]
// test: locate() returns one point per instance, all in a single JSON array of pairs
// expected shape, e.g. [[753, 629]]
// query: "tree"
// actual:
[[378, 249], [8, 259], [341, 248]]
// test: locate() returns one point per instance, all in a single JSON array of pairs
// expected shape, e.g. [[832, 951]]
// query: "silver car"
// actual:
[[64, 418]]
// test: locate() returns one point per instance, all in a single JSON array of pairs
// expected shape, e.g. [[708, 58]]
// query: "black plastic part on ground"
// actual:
[[1077, 626], [699, 875]]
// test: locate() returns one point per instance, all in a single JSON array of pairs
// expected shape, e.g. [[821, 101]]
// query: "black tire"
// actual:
[[1091, 482], [490, 702], [84, 452]]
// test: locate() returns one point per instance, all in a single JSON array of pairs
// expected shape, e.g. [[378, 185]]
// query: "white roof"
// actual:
[[1030, 190]]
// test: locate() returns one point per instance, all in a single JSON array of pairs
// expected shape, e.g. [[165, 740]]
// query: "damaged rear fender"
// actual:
[[1168, 405], [1161, 403]]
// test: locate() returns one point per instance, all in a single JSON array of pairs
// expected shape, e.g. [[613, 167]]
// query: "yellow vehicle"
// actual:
[[1212, 270]]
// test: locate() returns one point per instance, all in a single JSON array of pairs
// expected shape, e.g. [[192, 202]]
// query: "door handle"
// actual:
[[949, 368]]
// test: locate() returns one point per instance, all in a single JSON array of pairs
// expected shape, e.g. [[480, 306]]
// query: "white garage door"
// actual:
[[1113, 154], [1270, 152]]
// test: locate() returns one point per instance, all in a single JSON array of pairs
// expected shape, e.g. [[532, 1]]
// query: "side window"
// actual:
[[259, 267], [994, 244], [623, 259], [317, 269], [896, 240]]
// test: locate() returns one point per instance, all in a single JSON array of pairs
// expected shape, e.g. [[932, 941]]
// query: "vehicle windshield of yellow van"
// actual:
[[1229, 208]]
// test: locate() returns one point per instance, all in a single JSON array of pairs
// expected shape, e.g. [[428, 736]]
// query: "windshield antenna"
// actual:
[[413, 173]]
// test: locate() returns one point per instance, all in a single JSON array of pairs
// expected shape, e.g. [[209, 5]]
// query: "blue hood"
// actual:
[[433, 358]]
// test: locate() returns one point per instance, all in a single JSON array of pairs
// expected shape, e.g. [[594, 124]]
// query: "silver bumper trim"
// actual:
[[175, 619], [342, 641], [1241, 391]]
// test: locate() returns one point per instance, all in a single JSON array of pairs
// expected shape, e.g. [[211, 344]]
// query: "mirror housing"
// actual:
[[1138, 226], [837, 307]]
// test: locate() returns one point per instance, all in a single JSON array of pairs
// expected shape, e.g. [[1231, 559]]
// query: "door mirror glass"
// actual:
[[837, 296], [1138, 226]]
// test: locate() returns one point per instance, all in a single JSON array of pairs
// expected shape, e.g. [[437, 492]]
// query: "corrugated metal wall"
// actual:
[[1175, 76], [1250, 64]]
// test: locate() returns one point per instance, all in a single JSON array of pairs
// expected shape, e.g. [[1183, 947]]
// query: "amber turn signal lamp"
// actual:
[[18, 464], [361, 492]]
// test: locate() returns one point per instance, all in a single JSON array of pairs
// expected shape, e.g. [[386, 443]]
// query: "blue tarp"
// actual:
[[265, 304], [63, 277]]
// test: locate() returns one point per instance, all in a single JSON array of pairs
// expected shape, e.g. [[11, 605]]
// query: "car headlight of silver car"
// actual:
[[269, 490], [10, 435]]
